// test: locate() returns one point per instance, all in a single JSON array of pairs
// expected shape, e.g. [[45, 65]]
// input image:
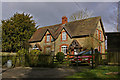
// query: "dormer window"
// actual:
[[48, 38], [64, 36]]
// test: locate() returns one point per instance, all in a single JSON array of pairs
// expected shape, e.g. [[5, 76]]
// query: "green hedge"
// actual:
[[6, 58], [29, 59], [32, 58]]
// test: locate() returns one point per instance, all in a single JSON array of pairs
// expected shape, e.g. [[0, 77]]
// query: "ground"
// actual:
[[27, 72], [66, 72]]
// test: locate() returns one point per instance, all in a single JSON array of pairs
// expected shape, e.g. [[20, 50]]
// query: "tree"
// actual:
[[82, 14], [90, 43], [114, 16], [16, 32]]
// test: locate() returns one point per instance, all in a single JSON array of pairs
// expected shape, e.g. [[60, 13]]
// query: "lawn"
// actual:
[[99, 72]]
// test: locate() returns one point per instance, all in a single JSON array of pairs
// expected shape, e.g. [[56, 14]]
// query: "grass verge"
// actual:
[[99, 72]]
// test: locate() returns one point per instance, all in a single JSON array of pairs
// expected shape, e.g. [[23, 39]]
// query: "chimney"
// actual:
[[64, 20]]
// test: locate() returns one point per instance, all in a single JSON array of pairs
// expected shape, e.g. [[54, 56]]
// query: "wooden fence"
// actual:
[[113, 58], [94, 61]]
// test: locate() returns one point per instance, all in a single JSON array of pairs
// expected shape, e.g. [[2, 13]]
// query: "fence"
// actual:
[[28, 60], [93, 60], [47, 59], [114, 58]]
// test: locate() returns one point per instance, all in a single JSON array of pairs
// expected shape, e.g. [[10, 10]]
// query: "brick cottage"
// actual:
[[68, 37]]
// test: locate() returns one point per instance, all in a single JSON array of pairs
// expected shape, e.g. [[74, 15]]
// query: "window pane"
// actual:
[[48, 38], [63, 35], [64, 49], [100, 35]]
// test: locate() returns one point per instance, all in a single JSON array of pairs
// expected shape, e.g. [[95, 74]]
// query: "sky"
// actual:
[[50, 13]]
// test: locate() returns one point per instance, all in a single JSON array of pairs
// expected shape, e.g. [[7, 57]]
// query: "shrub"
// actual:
[[5, 58], [21, 61], [60, 56], [32, 57]]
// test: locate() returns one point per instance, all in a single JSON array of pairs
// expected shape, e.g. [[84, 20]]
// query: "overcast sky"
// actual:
[[50, 13]]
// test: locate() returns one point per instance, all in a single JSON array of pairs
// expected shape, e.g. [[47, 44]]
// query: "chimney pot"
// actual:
[[64, 20]]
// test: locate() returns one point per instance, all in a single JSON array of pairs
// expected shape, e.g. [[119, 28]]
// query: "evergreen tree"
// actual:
[[16, 32]]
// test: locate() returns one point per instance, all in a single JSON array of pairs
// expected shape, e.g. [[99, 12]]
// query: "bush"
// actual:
[[60, 56], [32, 58], [5, 58], [21, 61]]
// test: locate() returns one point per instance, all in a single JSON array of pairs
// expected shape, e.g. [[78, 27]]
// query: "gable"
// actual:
[[61, 29], [100, 27], [74, 44], [47, 32]]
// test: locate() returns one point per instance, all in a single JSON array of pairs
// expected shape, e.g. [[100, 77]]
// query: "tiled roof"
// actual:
[[74, 28]]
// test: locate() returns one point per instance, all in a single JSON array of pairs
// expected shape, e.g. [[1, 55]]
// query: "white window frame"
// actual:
[[64, 49], [75, 52]]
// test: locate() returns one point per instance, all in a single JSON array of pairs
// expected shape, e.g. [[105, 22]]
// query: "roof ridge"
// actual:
[[49, 26], [85, 19]]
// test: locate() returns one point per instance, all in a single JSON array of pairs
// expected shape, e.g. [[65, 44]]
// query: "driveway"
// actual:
[[28, 72]]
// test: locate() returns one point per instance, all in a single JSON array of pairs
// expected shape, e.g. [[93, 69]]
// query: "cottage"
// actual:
[[68, 36]]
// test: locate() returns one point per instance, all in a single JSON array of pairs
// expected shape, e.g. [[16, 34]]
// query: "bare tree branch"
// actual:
[[91, 42], [82, 14]]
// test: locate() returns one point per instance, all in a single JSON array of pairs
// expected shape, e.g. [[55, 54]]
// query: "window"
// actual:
[[48, 38], [75, 52], [64, 36], [100, 36], [64, 49], [97, 33], [35, 47], [100, 49]]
